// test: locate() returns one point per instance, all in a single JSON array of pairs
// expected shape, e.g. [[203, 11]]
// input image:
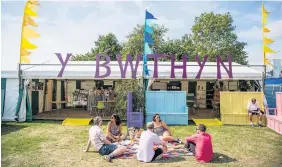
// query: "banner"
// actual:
[[27, 32]]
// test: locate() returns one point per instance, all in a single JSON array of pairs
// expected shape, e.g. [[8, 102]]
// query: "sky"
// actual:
[[73, 26]]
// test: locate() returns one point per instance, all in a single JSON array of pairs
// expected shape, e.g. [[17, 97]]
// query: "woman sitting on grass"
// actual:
[[114, 129], [162, 130]]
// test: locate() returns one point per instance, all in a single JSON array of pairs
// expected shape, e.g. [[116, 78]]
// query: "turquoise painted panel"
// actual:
[[170, 102], [159, 99], [171, 105]]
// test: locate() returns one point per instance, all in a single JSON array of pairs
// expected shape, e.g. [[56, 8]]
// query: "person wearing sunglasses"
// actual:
[[98, 139], [114, 129], [162, 130], [254, 109], [200, 144]]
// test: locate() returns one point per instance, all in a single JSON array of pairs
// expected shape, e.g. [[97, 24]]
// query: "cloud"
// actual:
[[72, 27], [255, 33]]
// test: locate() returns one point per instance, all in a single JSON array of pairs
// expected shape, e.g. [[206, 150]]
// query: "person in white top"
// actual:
[[254, 109], [98, 139], [148, 151]]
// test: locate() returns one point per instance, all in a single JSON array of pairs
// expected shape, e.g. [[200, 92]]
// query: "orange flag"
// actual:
[[29, 21], [266, 29], [25, 59], [267, 40], [24, 52]]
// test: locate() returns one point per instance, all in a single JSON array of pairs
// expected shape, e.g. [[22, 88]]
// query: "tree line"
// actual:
[[212, 35]]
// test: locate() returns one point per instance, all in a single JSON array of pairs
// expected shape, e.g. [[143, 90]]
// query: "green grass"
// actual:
[[50, 144]]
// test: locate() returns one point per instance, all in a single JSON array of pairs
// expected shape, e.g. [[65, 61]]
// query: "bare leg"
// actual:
[[167, 137], [119, 151], [88, 145], [260, 118], [250, 118]]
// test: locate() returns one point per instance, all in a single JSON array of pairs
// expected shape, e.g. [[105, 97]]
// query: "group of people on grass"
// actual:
[[152, 143]]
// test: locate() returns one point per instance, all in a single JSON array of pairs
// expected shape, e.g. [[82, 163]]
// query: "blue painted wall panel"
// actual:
[[171, 105]]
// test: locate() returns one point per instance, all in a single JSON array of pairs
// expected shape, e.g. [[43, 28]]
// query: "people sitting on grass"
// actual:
[[114, 129], [148, 150], [200, 144], [254, 109], [98, 139], [162, 130]]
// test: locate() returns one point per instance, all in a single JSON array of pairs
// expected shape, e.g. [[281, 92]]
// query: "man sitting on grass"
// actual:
[[254, 109], [148, 151], [200, 144], [101, 144]]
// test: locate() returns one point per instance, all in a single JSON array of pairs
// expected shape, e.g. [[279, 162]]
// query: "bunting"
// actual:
[[27, 31], [148, 31], [266, 40]]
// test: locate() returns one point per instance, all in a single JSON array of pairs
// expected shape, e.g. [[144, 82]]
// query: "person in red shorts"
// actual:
[[200, 144]]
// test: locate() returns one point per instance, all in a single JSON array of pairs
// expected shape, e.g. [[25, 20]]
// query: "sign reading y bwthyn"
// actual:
[[155, 57]]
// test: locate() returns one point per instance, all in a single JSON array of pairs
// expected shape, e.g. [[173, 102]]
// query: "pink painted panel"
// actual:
[[279, 104]]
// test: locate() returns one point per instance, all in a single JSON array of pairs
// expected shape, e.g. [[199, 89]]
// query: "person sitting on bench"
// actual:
[[200, 144], [254, 109]]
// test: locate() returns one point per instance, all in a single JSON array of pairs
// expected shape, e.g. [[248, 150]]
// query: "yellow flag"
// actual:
[[267, 40], [266, 29], [29, 21], [34, 2], [32, 6], [27, 45], [267, 62], [25, 59], [29, 33], [24, 52], [268, 50], [28, 11]]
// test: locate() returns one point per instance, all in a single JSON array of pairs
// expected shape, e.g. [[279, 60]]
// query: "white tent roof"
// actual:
[[86, 70]]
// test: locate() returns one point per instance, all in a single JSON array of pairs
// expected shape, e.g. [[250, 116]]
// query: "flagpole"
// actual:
[[144, 79]]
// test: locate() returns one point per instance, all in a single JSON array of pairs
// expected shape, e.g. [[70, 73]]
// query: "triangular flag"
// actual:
[[29, 21], [267, 40], [148, 38], [267, 62], [32, 6], [30, 12], [266, 29], [25, 59], [268, 50], [149, 15], [34, 2], [29, 33], [148, 50], [148, 29], [24, 52], [27, 45], [264, 12]]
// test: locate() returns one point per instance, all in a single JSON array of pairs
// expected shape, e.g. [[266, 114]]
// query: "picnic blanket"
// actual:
[[174, 150]]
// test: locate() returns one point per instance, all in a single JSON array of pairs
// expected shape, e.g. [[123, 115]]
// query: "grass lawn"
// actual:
[[51, 144]]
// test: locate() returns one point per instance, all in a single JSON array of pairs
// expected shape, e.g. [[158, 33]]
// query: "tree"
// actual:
[[135, 40], [213, 35], [177, 47], [106, 44]]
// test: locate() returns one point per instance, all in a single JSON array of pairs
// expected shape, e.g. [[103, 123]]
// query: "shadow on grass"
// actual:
[[6, 129], [169, 160], [221, 158]]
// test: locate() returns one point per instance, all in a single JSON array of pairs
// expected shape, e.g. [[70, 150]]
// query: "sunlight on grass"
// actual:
[[51, 144]]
